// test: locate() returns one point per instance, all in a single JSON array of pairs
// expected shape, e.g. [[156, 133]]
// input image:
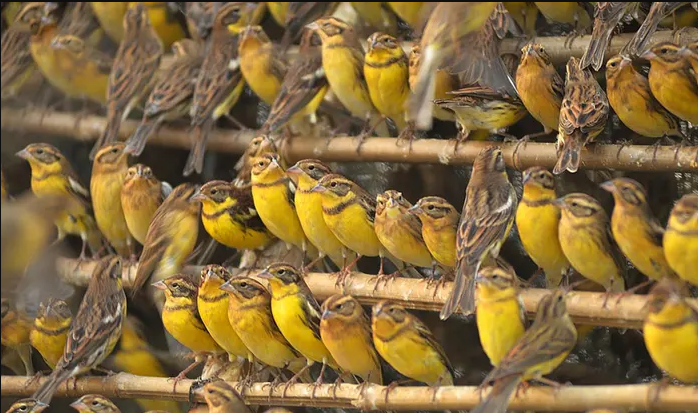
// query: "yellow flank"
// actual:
[[540, 86], [439, 226], [408, 345], [167, 27], [83, 71], [671, 336], [569, 12], [346, 331], [278, 10], [261, 66], [681, 239], [537, 221], [400, 232], [111, 16], [50, 331], [108, 175], [141, 195], [410, 12]]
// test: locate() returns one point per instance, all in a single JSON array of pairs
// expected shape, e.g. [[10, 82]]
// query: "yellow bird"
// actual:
[[50, 331], [221, 397], [408, 345], [681, 238], [345, 330], [161, 15], [500, 316], [278, 11], [569, 12], [94, 403], [141, 196], [263, 68], [15, 333], [410, 12], [377, 15], [27, 406], [538, 221], [439, 226], [525, 14]]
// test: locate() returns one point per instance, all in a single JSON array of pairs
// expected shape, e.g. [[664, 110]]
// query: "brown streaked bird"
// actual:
[[17, 64], [132, 75], [28, 405], [488, 215], [658, 11], [94, 403], [141, 195], [171, 95], [108, 175], [200, 16], [583, 116], [221, 397], [607, 15], [299, 14]]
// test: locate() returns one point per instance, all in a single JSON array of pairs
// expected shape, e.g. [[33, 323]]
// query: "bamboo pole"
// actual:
[[343, 149], [636, 397], [584, 307]]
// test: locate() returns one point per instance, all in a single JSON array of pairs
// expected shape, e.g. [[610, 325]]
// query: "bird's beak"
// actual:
[[526, 177], [318, 188], [55, 44], [326, 314], [41, 406], [208, 274], [625, 61], [265, 274], [312, 26], [293, 173], [226, 287], [414, 209], [375, 44], [160, 285], [608, 186], [391, 203], [648, 55], [140, 171], [77, 405], [24, 154], [560, 202], [197, 196]]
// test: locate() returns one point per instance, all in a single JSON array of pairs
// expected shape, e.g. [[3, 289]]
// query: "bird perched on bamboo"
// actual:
[[108, 174], [543, 347], [636, 230], [305, 174], [500, 316], [200, 16], [249, 312], [631, 98], [439, 226], [52, 175], [672, 82], [345, 330], [681, 238], [540, 86], [259, 145], [538, 221], [262, 67], [220, 83], [17, 63], [163, 17], [582, 118], [444, 83], [172, 93], [94, 403], [15, 333], [488, 215], [607, 15], [221, 397], [133, 72], [377, 15], [585, 238], [171, 237], [670, 330], [229, 216], [657, 12], [96, 327], [447, 27], [141, 195], [297, 314], [568, 12], [300, 13], [50, 330], [409, 346], [411, 13]]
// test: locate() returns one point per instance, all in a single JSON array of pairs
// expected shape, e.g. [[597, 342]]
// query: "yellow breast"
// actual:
[[538, 229], [675, 92], [213, 309], [441, 244], [231, 233], [49, 344], [139, 209], [631, 233], [353, 229], [278, 215], [673, 348], [309, 211], [413, 358], [681, 252], [341, 70], [389, 89], [187, 330], [400, 242], [353, 350], [257, 74], [106, 201], [499, 325]]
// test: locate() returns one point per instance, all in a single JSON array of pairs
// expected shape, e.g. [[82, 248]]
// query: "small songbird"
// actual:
[[585, 238], [229, 216], [171, 237], [377, 15], [408, 345], [263, 67], [297, 314], [94, 403], [249, 312], [141, 196], [108, 174], [538, 221], [672, 82], [582, 118], [607, 15], [221, 397], [258, 146], [631, 98], [278, 11], [543, 347], [96, 327], [681, 238], [27, 406], [50, 331], [163, 17], [15, 334], [411, 12], [500, 316], [17, 63], [444, 83], [488, 215], [301, 13], [671, 332], [569, 12], [657, 12], [439, 227], [345, 330], [133, 73]]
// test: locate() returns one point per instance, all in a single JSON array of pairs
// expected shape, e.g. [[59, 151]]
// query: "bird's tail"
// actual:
[[195, 162], [638, 43], [111, 131], [463, 292], [136, 143], [46, 391], [498, 399], [569, 158], [597, 47]]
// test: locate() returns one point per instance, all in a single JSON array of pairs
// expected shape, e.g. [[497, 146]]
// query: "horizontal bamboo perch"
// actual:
[[637, 397], [585, 307], [343, 149]]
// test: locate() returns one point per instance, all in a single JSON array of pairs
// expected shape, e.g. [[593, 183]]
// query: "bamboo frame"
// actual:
[[584, 307], [636, 397], [343, 149]]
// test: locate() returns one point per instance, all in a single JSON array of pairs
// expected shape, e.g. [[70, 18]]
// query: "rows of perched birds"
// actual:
[[269, 317]]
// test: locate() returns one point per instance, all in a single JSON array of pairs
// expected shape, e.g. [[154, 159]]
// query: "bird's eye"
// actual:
[[430, 207], [115, 150], [95, 403], [261, 163], [575, 204], [665, 50], [22, 408], [559, 298], [214, 191], [39, 151], [243, 284], [175, 285], [333, 184], [282, 272], [399, 198], [495, 277], [311, 168], [583, 105], [541, 49], [613, 64]]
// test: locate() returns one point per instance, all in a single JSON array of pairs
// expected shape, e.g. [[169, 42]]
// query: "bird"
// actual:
[[259, 145], [642, 36], [439, 226], [52, 175], [499, 315], [28, 405], [110, 16], [538, 221], [171, 237], [409, 346], [172, 93], [444, 83], [109, 170], [345, 330], [680, 240], [631, 99], [94, 403], [133, 72], [50, 331], [96, 327], [297, 314], [377, 15], [278, 11], [690, 53], [16, 332], [200, 16], [221, 397], [263, 67], [569, 12], [412, 13], [229, 216], [671, 81], [524, 14], [17, 63], [163, 17], [583, 116], [670, 330], [543, 347], [141, 195], [540, 86], [607, 15], [488, 215], [299, 14], [586, 240]]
